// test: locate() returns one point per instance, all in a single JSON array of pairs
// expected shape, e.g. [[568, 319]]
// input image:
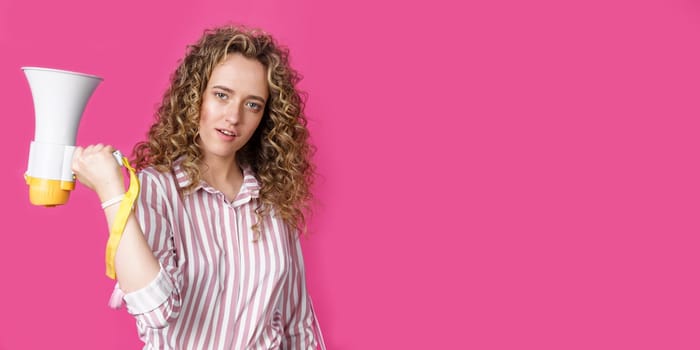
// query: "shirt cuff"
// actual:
[[151, 296]]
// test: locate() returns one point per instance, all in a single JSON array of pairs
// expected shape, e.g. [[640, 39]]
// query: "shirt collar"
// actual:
[[249, 189]]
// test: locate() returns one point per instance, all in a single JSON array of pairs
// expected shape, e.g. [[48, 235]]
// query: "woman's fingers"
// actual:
[[96, 168], [77, 154]]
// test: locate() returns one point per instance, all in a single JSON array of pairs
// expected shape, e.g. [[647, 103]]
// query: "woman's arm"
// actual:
[[146, 261], [135, 265], [96, 168]]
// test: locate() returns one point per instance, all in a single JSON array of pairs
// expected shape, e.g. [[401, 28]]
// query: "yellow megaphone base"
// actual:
[[48, 193]]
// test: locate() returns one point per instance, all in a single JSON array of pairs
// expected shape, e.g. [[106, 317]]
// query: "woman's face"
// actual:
[[232, 106]]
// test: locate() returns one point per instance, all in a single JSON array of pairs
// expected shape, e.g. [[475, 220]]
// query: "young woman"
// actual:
[[210, 258]]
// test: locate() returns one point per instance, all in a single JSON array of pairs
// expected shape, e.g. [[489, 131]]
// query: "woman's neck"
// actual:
[[223, 174]]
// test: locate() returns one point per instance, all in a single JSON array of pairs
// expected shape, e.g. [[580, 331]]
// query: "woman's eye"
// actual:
[[254, 106], [221, 95]]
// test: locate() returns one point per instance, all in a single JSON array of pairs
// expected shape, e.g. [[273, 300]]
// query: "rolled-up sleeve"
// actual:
[[156, 304], [301, 327]]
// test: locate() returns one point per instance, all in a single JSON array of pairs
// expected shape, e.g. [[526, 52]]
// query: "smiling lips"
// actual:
[[228, 133]]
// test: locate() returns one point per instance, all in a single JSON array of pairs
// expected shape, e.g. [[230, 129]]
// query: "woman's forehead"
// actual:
[[240, 73]]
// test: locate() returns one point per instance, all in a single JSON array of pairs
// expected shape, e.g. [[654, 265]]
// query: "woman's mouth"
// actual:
[[228, 133]]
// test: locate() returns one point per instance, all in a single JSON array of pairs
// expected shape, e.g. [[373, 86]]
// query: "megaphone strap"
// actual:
[[115, 233]]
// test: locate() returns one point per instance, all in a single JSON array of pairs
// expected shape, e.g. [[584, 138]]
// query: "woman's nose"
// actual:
[[232, 114]]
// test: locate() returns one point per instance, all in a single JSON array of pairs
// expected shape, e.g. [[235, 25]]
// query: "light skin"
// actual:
[[232, 108], [233, 104]]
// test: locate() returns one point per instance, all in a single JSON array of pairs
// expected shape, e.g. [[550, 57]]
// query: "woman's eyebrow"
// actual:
[[221, 87], [254, 97]]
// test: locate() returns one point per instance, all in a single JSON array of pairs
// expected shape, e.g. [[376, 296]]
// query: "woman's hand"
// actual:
[[96, 168]]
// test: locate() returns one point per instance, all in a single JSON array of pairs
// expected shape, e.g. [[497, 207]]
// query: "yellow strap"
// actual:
[[115, 234]]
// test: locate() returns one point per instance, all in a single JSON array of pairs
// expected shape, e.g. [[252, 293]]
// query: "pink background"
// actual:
[[493, 175]]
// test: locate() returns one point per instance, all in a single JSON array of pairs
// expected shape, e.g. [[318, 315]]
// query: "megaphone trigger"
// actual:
[[118, 155]]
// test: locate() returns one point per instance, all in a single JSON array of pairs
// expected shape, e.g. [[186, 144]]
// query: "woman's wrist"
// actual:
[[110, 187], [110, 193], [110, 202]]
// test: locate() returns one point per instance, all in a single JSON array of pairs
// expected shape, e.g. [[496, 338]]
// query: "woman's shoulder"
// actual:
[[153, 174], [152, 171], [168, 176]]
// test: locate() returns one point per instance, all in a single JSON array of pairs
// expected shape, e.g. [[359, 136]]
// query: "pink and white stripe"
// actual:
[[217, 289]]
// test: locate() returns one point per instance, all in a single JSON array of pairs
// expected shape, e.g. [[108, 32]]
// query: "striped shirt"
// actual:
[[217, 289]]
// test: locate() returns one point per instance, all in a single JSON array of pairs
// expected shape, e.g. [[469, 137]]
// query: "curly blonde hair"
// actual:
[[279, 152]]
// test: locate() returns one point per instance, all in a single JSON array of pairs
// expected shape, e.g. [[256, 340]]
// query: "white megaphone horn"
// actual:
[[59, 100]]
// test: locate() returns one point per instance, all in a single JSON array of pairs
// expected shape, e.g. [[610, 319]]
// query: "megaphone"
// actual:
[[59, 98]]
